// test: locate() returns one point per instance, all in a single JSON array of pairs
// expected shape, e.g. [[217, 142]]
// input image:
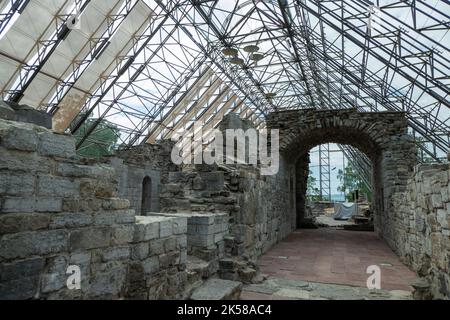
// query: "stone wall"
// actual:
[[422, 225], [57, 210], [382, 136], [134, 165], [266, 212], [261, 209]]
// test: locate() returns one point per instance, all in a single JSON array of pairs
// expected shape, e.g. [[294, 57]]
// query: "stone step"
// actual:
[[204, 269], [218, 289]]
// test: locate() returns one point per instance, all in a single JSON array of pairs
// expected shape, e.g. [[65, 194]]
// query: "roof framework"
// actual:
[[154, 67]]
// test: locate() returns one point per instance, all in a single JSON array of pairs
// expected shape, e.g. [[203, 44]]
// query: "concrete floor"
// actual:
[[332, 256]]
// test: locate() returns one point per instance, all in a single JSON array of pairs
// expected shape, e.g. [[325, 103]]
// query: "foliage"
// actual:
[[350, 181], [312, 191], [100, 142]]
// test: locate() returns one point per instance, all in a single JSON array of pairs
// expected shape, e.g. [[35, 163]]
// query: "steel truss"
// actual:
[[371, 55]]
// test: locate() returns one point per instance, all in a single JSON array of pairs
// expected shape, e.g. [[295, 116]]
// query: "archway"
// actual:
[[382, 136], [347, 138], [331, 255], [146, 199]]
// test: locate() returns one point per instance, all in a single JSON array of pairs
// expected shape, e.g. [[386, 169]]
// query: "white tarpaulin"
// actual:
[[344, 211]]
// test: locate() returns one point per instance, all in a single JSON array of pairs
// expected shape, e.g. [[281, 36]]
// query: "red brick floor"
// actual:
[[335, 256]]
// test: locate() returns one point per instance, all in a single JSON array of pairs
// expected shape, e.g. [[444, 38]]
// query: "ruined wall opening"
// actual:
[[382, 137], [146, 201], [342, 136]]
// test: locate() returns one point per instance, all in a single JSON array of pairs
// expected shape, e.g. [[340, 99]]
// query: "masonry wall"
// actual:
[[57, 210], [137, 163], [261, 209], [422, 225], [267, 209]]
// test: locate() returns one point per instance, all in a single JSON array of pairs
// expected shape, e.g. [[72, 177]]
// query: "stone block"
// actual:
[[107, 284], [19, 222], [23, 161], [443, 218], [56, 145], [16, 183], [48, 204], [151, 265], [25, 244], [57, 186], [115, 254], [156, 247], [123, 234], [51, 282], [21, 269], [17, 204], [70, 220], [115, 204], [105, 218], [170, 244], [182, 242], [146, 230], [126, 217], [6, 112], [68, 169], [27, 114], [90, 238], [180, 226], [20, 289], [17, 138], [165, 228], [140, 251], [168, 260], [217, 289]]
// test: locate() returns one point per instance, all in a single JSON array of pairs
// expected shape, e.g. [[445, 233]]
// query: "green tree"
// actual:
[[312, 191], [350, 181], [100, 142]]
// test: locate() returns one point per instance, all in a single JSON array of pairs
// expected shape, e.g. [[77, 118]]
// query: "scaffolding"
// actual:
[[135, 63]]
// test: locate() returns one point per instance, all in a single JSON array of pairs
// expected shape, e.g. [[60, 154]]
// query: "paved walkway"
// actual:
[[333, 256], [283, 289]]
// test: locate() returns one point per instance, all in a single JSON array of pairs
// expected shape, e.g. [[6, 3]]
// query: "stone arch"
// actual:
[[146, 198], [382, 136]]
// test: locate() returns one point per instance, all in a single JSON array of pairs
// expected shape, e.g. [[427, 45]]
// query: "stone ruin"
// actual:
[[140, 227]]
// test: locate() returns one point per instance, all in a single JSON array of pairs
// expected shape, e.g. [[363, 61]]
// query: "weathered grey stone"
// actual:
[[17, 205], [26, 244], [117, 253], [57, 187], [151, 265], [156, 247], [19, 222], [140, 251], [24, 113], [56, 145], [123, 234], [108, 284], [48, 204], [6, 112], [77, 170], [90, 238], [23, 161], [18, 138], [20, 289], [165, 228], [180, 226], [115, 204], [70, 220], [217, 289], [21, 268]]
